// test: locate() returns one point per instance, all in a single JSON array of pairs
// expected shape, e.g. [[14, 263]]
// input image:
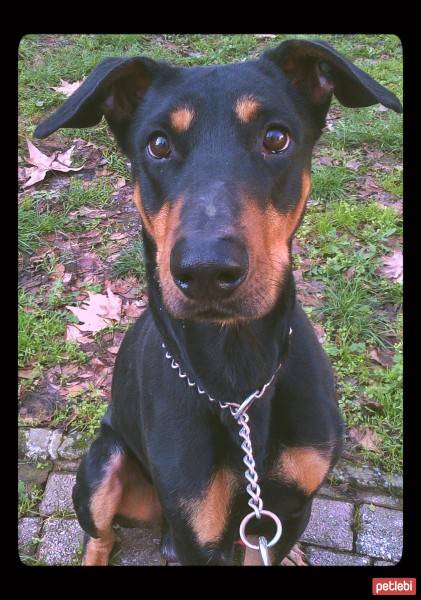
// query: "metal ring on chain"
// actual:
[[275, 538]]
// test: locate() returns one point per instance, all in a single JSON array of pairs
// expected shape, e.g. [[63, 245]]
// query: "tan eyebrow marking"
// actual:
[[246, 108], [181, 118]]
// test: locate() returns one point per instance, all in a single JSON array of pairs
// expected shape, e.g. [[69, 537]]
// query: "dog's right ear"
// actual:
[[113, 89]]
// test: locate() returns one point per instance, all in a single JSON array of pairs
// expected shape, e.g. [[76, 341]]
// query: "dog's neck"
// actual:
[[228, 362]]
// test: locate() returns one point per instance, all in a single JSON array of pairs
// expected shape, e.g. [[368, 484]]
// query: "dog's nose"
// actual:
[[208, 270]]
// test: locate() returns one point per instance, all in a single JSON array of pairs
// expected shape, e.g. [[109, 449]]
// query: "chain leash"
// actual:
[[239, 412]]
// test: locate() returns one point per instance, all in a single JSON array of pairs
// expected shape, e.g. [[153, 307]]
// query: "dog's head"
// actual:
[[221, 160]]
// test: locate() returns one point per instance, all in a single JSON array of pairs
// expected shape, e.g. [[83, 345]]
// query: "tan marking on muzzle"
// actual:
[[246, 108], [209, 514], [304, 466], [182, 118], [267, 233]]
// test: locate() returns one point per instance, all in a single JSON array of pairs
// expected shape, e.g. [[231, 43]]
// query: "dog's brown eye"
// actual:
[[275, 140], [159, 146]]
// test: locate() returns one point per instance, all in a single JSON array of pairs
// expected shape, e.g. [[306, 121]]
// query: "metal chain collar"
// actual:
[[239, 412]]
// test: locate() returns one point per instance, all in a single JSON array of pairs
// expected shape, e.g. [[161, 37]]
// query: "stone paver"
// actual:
[[66, 465], [356, 517], [29, 473], [380, 533], [72, 447], [58, 493], [381, 500], [366, 477], [61, 541], [33, 443], [28, 528], [139, 546], [54, 443], [330, 524], [320, 557]]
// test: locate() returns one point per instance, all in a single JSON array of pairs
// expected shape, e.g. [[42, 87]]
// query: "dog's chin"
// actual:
[[229, 314]]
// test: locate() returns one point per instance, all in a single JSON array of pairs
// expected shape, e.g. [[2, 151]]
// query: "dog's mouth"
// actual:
[[216, 315]]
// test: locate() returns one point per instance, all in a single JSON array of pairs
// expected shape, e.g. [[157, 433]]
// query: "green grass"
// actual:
[[96, 195], [34, 222], [47, 212], [28, 499], [41, 336], [328, 182], [82, 413], [130, 262]]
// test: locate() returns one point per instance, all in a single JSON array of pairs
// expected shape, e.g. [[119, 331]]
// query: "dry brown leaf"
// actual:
[[95, 313], [383, 357], [366, 438], [393, 266], [113, 349], [132, 310], [58, 161], [66, 88], [121, 182], [26, 373], [354, 165]]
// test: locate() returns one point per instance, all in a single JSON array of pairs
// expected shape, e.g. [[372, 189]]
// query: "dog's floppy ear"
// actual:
[[318, 70], [113, 90]]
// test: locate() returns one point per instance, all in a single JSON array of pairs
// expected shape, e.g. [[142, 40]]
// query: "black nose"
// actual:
[[208, 270]]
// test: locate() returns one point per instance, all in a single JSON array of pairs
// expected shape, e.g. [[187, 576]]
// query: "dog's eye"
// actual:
[[275, 140], [159, 146]]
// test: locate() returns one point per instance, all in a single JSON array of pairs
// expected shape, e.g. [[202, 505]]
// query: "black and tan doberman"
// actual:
[[221, 160]]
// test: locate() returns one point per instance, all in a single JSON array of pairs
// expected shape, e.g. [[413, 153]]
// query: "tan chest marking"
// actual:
[[306, 467], [208, 514]]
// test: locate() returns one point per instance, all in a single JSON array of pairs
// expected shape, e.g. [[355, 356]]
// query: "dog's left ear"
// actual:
[[317, 70]]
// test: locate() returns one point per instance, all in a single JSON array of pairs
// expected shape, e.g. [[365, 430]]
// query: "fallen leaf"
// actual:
[[132, 310], [369, 187], [26, 373], [66, 88], [383, 357], [349, 273], [95, 313], [121, 182], [73, 390], [381, 108], [113, 349], [58, 161], [393, 266], [73, 334], [58, 272], [354, 165], [326, 161], [365, 437], [371, 404], [264, 36], [118, 236]]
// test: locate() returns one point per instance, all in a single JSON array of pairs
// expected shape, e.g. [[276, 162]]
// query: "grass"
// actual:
[[41, 336], [82, 413], [344, 236], [130, 262], [28, 499], [48, 212]]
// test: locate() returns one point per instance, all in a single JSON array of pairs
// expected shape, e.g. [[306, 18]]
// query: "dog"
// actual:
[[221, 161]]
